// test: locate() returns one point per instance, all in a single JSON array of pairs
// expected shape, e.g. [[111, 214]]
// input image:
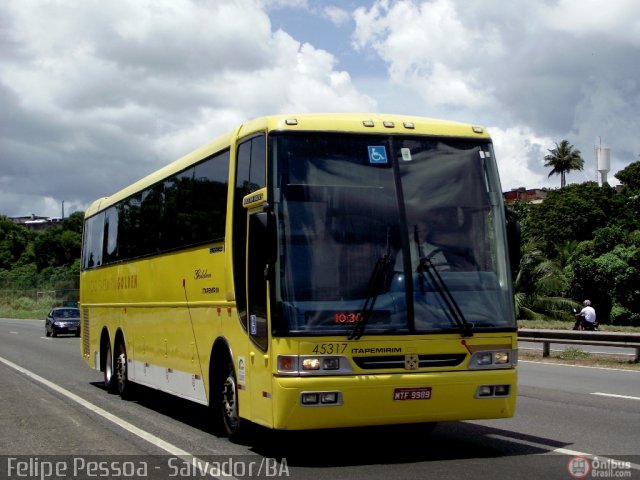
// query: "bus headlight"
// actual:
[[484, 358], [493, 359], [331, 363], [313, 365], [501, 358]]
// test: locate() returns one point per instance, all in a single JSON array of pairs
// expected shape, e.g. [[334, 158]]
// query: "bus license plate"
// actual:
[[412, 393]]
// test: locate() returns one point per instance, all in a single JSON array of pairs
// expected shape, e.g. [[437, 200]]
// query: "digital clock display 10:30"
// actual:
[[346, 318]]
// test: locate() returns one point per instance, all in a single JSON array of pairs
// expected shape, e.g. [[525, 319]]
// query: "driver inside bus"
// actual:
[[442, 236]]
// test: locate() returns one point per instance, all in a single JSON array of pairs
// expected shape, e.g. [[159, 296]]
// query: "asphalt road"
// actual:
[[55, 409]]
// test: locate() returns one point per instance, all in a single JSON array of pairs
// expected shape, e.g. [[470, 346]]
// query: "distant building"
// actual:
[[35, 222], [533, 195]]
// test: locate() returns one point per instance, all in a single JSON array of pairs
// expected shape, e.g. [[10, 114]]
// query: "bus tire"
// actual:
[[109, 380], [234, 426], [122, 383]]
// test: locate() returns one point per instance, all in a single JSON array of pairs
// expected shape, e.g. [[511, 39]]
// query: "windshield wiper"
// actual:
[[427, 266], [378, 279]]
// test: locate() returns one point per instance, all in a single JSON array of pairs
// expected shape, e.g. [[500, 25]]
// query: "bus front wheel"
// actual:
[[235, 427]]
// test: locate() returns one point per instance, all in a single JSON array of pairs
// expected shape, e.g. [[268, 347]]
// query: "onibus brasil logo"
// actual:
[[582, 467]]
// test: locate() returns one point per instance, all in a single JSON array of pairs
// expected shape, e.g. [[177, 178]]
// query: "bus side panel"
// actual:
[[168, 310]]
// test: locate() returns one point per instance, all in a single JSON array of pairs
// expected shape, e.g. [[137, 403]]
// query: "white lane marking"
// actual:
[[627, 397], [167, 447], [152, 439], [561, 451]]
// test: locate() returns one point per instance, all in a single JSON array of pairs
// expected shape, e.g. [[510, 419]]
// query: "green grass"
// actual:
[[573, 353], [25, 307]]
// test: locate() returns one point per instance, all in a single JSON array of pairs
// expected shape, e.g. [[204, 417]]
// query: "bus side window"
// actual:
[[93, 237], [110, 242]]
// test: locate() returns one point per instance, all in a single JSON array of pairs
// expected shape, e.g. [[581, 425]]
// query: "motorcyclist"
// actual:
[[586, 318]]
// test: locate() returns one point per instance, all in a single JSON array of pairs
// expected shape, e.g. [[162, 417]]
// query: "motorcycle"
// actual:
[[582, 324]]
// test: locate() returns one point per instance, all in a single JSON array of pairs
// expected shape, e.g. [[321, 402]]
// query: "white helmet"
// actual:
[[587, 303]]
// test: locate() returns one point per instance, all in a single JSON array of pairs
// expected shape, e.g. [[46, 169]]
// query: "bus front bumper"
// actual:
[[387, 399]]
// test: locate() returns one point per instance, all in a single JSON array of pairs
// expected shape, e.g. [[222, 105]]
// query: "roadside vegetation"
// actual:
[[582, 242], [39, 270], [25, 307]]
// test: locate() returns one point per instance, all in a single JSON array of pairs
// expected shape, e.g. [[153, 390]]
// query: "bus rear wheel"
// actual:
[[109, 382], [122, 384]]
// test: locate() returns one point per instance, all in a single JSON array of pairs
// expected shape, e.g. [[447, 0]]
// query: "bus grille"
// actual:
[[398, 361], [85, 332]]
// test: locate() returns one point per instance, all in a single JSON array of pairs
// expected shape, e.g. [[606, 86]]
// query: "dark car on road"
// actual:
[[63, 320]]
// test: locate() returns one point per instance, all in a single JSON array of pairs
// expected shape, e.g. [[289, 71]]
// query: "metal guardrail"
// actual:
[[607, 339]]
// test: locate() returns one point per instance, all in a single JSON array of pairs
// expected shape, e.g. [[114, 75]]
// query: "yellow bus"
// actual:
[[310, 271]]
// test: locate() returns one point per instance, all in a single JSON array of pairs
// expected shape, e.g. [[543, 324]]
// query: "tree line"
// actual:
[[41, 260], [581, 242]]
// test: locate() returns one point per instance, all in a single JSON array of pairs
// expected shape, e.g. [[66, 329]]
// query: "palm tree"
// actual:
[[563, 159], [535, 278]]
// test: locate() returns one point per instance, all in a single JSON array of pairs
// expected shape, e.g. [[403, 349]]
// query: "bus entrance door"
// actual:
[[258, 265]]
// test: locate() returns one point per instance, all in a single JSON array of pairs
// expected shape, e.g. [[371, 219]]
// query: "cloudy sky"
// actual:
[[96, 94]]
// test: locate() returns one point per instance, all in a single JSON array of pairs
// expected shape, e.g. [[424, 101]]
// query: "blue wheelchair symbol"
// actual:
[[377, 154]]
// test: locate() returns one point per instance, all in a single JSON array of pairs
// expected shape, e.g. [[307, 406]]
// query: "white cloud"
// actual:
[[102, 94], [428, 47], [284, 3], [337, 15], [519, 154], [553, 70], [97, 94], [618, 20]]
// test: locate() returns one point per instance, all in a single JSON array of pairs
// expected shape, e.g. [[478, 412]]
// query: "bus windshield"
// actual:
[[388, 234]]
